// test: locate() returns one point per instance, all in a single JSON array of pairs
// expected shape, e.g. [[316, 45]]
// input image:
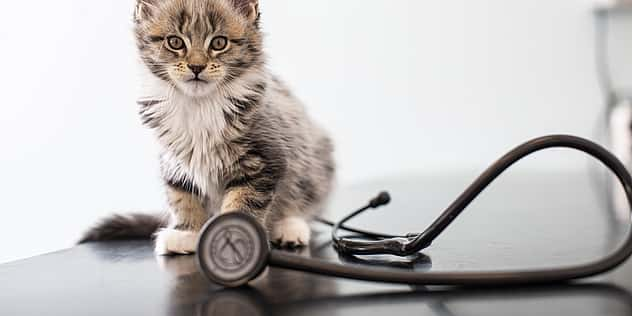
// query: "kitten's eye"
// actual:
[[175, 43], [219, 43]]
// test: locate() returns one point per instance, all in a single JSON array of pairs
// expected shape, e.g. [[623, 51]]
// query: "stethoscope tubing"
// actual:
[[487, 278]]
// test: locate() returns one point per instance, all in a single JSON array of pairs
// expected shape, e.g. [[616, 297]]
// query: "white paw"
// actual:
[[291, 232], [175, 242]]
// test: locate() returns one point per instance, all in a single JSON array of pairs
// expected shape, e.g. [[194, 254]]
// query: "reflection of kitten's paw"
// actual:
[[175, 242], [291, 232]]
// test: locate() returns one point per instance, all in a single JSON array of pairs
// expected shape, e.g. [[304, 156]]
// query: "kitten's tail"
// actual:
[[129, 226]]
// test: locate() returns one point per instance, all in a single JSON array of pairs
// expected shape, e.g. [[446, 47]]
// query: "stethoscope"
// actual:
[[233, 248]]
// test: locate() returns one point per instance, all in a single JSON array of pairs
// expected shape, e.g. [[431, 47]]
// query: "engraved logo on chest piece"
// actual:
[[232, 248]]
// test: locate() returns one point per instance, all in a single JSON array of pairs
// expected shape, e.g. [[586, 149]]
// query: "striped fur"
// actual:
[[234, 140], [131, 226]]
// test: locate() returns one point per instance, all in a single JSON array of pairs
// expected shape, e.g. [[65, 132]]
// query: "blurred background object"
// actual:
[[613, 23], [436, 86], [614, 48]]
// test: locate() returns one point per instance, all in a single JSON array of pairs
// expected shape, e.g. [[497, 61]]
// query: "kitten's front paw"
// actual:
[[291, 232], [175, 242]]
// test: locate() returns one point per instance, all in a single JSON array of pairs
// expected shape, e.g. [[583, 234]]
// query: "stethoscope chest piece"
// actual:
[[233, 249]]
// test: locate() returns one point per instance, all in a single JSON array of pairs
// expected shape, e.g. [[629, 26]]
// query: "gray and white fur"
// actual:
[[233, 137]]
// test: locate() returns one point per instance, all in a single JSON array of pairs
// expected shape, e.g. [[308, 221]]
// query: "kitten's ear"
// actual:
[[249, 8], [144, 9]]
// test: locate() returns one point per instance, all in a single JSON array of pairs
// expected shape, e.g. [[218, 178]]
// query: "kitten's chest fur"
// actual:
[[196, 139]]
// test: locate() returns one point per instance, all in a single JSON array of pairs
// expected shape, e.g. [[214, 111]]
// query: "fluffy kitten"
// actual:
[[233, 138]]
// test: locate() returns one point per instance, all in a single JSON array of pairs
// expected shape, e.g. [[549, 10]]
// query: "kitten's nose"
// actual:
[[197, 69]]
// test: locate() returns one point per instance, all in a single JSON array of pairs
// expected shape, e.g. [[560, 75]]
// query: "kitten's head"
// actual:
[[199, 45]]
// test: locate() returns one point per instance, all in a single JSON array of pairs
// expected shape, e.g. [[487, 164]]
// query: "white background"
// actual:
[[403, 86]]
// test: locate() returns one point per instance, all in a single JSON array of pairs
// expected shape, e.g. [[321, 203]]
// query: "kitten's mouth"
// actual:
[[197, 80], [196, 87]]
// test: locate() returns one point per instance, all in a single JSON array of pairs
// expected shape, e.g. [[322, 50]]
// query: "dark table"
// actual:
[[526, 220]]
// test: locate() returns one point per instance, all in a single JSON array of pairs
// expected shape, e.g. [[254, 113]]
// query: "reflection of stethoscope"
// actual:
[[248, 238], [249, 301]]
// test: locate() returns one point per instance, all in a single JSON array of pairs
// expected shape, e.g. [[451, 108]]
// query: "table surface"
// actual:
[[526, 220]]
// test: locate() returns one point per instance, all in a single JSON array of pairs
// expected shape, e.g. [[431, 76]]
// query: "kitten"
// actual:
[[233, 138]]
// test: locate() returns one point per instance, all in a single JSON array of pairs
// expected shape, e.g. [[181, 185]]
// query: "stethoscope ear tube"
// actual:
[[246, 240], [413, 244]]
